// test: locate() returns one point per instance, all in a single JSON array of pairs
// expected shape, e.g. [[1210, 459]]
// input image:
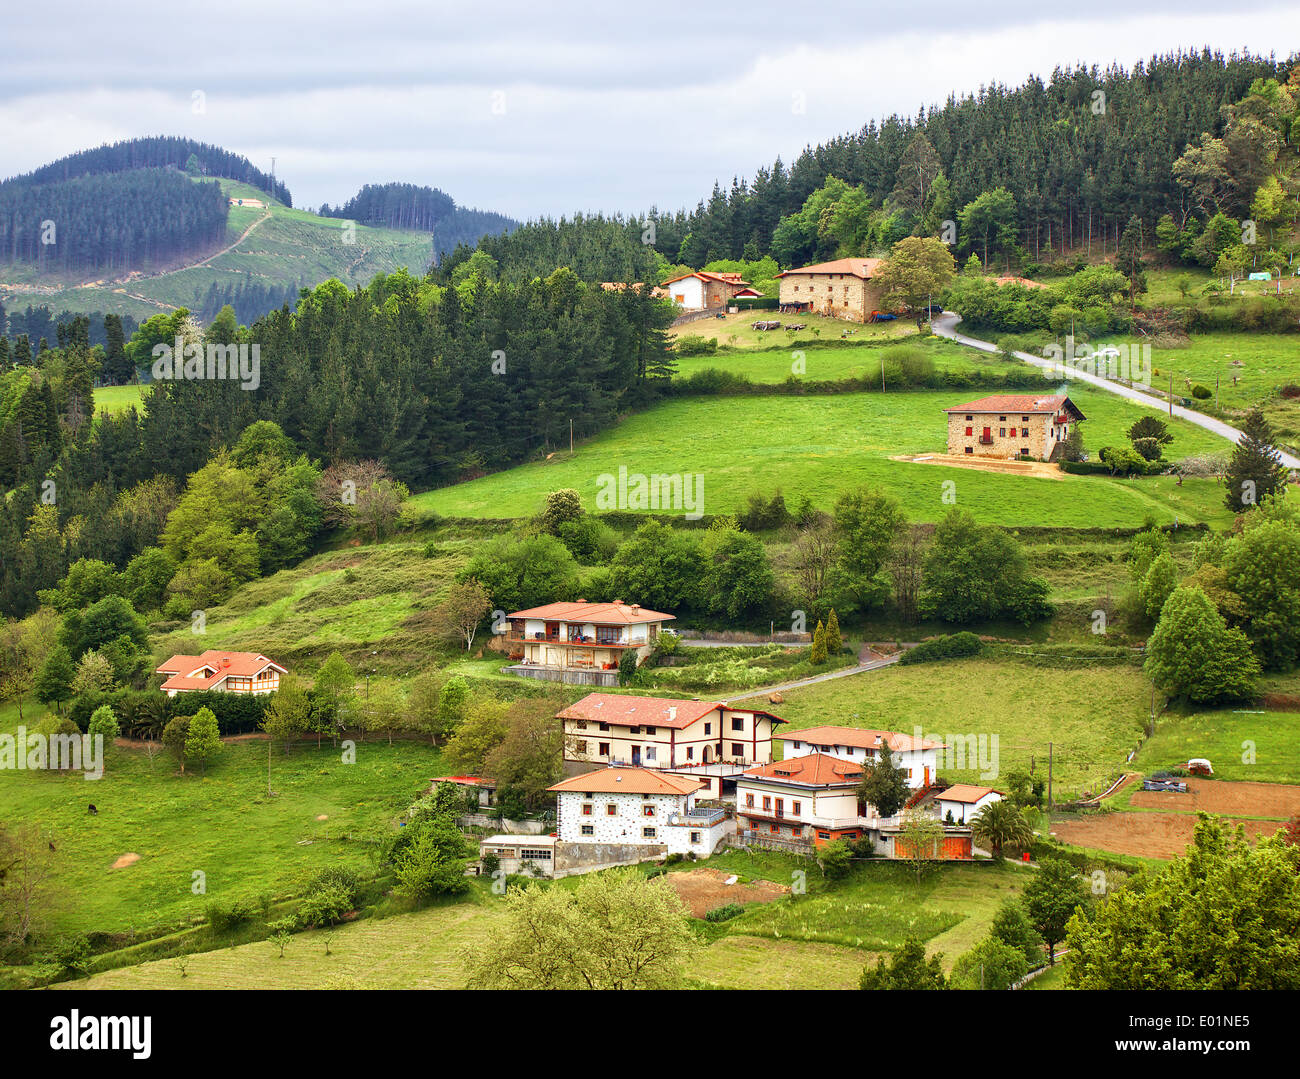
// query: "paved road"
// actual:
[[945, 325], [843, 672]]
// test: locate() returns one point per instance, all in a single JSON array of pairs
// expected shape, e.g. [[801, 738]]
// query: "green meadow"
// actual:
[[817, 447]]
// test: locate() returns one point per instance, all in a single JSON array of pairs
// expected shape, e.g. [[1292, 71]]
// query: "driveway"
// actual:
[[945, 325]]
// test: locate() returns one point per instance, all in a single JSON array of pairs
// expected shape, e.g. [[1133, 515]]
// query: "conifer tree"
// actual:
[[1255, 471]]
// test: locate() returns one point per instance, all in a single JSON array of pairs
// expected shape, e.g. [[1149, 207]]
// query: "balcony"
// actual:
[[571, 642], [986, 440]]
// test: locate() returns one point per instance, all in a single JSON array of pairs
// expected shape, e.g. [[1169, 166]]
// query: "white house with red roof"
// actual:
[[707, 740], [842, 288], [1013, 425], [964, 801], [806, 799], [580, 642], [705, 289], [224, 672], [637, 807], [919, 757]]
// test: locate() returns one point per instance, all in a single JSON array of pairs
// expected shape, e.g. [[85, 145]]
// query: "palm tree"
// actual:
[[999, 824]]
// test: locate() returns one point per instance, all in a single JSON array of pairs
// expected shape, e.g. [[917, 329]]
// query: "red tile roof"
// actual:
[[857, 738], [864, 268], [605, 614], [709, 275], [966, 793], [628, 781], [813, 770], [1018, 402], [630, 711], [189, 672]]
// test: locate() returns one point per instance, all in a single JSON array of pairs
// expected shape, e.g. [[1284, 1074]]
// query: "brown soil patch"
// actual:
[[1218, 796], [703, 889], [1147, 835], [126, 860], [1040, 469]]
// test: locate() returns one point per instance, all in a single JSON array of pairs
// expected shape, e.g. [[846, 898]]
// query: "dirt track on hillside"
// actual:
[[703, 889]]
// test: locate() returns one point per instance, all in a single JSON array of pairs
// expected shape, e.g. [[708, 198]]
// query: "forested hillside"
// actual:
[[425, 209], [1059, 165], [161, 151], [433, 384]]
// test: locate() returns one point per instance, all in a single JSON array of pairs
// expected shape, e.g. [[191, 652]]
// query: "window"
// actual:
[[767, 802], [611, 810], [690, 753], [796, 808], [647, 811], [737, 724], [1002, 432], [708, 728], [970, 431], [969, 418], [650, 753], [603, 751], [604, 726], [647, 833], [780, 807], [773, 829], [587, 809], [535, 854], [1002, 419], [651, 731], [749, 801], [581, 747], [1024, 419], [695, 837], [1024, 432], [582, 724], [588, 829], [634, 730], [823, 835], [796, 830], [970, 449]]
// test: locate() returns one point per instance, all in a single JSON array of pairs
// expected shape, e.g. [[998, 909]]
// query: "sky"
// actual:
[[532, 108]]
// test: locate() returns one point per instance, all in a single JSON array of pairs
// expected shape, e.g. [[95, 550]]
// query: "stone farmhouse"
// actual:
[[1012, 426], [224, 672], [706, 741], [580, 642], [839, 289]]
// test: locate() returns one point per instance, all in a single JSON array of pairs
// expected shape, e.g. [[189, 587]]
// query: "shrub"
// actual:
[[1290, 391], [723, 913], [948, 646], [224, 918], [325, 906], [1202, 393], [695, 345]]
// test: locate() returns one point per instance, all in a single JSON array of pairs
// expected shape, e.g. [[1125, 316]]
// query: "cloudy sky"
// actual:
[[545, 108]]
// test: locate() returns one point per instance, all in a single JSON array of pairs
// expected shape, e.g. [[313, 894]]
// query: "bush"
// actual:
[[224, 918], [723, 913], [948, 646], [695, 345], [1202, 393], [325, 906]]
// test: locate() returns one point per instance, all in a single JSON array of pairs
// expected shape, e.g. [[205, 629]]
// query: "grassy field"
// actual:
[[113, 399], [737, 330], [817, 363], [816, 447], [1229, 738], [1094, 715], [819, 940], [222, 824]]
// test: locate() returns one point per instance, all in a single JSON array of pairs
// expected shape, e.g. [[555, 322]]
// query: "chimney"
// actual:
[[636, 606], [225, 661]]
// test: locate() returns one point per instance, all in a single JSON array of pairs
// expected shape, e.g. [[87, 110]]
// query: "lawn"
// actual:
[[814, 363], [114, 399], [1092, 716], [223, 825], [1228, 738], [817, 447], [737, 330]]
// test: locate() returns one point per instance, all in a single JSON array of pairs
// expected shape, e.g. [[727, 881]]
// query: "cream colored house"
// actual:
[[807, 799], [843, 289], [580, 642], [705, 290], [706, 740], [1012, 425], [919, 757]]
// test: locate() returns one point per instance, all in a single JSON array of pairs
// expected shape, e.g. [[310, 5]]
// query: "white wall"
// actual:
[[962, 812], [626, 825], [915, 761]]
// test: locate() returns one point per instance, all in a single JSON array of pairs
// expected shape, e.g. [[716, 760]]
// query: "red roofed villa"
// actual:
[[580, 642], [1015, 425], [224, 672]]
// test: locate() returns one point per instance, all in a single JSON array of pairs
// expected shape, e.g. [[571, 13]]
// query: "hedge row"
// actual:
[[237, 713], [948, 646], [714, 382]]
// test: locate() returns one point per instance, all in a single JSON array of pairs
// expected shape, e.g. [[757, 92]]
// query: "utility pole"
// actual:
[[1171, 394], [1049, 775], [570, 434]]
